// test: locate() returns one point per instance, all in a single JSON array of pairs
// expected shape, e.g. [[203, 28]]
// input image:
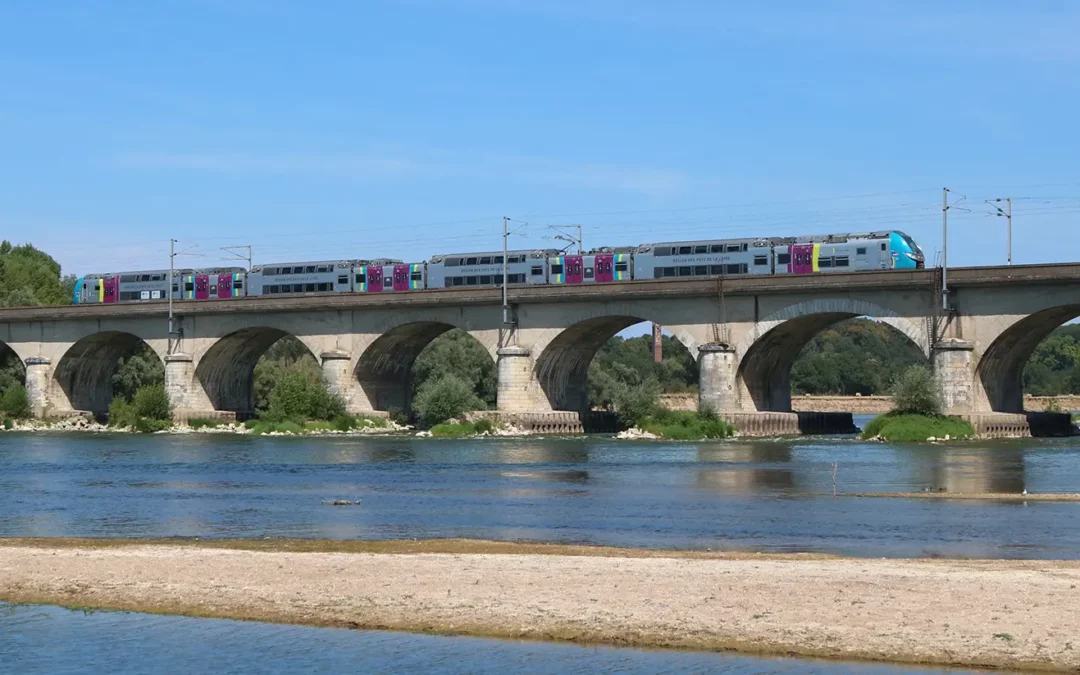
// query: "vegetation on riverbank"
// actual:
[[917, 413], [462, 429], [685, 425], [149, 410]]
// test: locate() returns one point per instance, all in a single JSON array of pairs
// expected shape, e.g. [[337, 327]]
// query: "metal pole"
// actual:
[[1008, 226], [505, 297], [172, 256], [580, 241], [944, 249]]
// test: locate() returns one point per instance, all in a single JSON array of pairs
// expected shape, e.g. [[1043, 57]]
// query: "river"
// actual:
[[766, 495]]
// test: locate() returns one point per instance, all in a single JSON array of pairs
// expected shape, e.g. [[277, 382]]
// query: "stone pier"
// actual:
[[955, 373], [717, 367], [38, 377], [516, 382]]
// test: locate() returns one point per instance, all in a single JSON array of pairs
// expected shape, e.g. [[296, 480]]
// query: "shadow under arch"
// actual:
[[384, 370], [764, 373], [227, 370], [562, 369], [11, 366], [1001, 368], [84, 373]]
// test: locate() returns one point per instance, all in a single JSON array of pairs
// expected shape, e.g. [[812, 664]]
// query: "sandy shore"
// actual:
[[974, 613]]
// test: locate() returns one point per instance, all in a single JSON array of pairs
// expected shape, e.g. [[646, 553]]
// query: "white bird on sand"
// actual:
[[1024, 492]]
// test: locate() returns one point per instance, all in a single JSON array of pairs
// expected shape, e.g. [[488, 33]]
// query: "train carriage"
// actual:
[[847, 252], [486, 269], [302, 278], [389, 276], [707, 258]]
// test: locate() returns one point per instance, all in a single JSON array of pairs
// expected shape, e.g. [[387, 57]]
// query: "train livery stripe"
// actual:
[[76, 296], [817, 253], [616, 274], [362, 286], [415, 284], [191, 293], [101, 290], [561, 277]]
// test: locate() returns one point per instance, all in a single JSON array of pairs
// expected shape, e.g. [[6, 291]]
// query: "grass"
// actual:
[[462, 429], [684, 425], [339, 423], [204, 423], [916, 428]]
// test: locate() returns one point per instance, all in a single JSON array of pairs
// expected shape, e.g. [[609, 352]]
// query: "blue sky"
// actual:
[[329, 130]]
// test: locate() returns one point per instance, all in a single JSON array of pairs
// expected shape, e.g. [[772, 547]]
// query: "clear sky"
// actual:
[[404, 128]]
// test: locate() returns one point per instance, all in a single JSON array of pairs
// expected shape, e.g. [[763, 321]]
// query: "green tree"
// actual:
[[297, 396], [857, 356], [138, 369], [29, 277], [444, 398], [14, 402], [915, 392], [457, 353], [286, 355]]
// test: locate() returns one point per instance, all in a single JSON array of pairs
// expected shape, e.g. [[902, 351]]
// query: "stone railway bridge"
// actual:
[[745, 331]]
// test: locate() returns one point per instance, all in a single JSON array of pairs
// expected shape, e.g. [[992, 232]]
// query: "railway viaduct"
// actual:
[[745, 331]]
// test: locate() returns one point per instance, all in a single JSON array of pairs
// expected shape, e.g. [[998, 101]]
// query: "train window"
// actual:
[[343, 279], [716, 270], [485, 260], [416, 276], [323, 287], [497, 260], [470, 281], [684, 250], [189, 287], [451, 262], [733, 248], [470, 261], [361, 278], [884, 246], [323, 269], [309, 288], [213, 289], [128, 278], [298, 270], [701, 270], [556, 269], [761, 260], [824, 262], [387, 282], [737, 268], [621, 267], [686, 271], [783, 258], [157, 277], [175, 288], [662, 250], [296, 288], [841, 261], [860, 251], [716, 248], [485, 280], [267, 290], [537, 270], [310, 269], [701, 249], [588, 273], [497, 279], [238, 284]]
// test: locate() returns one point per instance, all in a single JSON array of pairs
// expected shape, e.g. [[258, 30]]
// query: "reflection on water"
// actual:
[[125, 643], [752, 495]]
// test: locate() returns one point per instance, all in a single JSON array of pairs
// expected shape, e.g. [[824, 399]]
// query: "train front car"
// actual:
[[214, 283], [301, 278], [599, 266], [388, 276], [711, 258], [486, 269], [822, 254]]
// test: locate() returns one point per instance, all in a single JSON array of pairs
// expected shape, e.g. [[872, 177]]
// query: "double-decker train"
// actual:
[[705, 258]]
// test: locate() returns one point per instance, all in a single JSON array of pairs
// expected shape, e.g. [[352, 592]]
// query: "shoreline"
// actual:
[[983, 613]]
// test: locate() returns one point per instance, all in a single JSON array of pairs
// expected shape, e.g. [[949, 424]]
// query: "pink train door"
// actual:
[[374, 278], [224, 286], [401, 278], [110, 290], [574, 269], [802, 259], [604, 265], [202, 287]]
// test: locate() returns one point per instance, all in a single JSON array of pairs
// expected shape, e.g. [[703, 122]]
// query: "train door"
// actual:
[[802, 259], [604, 267], [224, 285], [202, 286], [374, 278], [401, 278], [110, 292], [574, 269]]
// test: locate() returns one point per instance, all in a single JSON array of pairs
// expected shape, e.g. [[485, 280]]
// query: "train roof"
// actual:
[[470, 254], [306, 263], [179, 272]]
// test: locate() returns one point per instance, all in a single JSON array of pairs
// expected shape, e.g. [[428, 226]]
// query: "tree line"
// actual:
[[455, 373]]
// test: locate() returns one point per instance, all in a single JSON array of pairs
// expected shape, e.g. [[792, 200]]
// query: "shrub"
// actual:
[[298, 396], [684, 425], [121, 414], [916, 428], [152, 403], [1053, 406], [251, 423], [445, 398], [9, 423], [15, 402], [915, 392], [204, 423], [399, 416], [146, 425], [484, 426], [267, 427], [453, 429], [633, 404]]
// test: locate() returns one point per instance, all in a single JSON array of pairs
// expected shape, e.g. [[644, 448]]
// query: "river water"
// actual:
[[773, 495]]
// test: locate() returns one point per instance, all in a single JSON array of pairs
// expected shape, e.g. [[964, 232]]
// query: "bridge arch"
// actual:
[[384, 369], [82, 378], [768, 352], [226, 370], [12, 368], [1000, 371], [562, 365]]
